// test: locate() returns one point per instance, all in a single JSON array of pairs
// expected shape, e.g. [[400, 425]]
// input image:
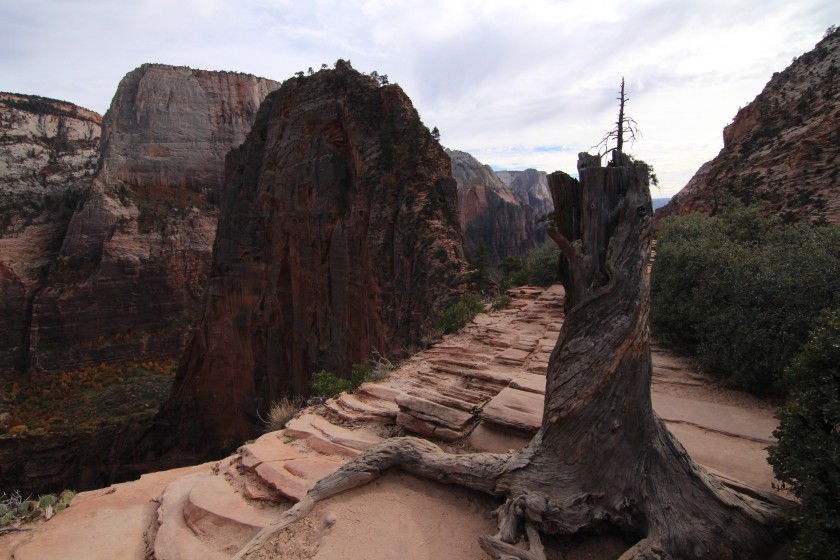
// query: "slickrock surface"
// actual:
[[782, 148], [491, 213], [338, 234], [480, 389]]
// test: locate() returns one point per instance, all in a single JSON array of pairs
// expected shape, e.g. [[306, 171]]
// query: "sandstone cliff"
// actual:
[[782, 148], [338, 235], [48, 152], [133, 264], [531, 187], [491, 213]]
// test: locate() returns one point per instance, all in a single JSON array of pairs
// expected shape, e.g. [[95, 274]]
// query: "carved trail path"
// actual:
[[479, 390]]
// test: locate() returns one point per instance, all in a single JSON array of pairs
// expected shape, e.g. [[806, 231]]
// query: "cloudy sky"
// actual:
[[525, 83]]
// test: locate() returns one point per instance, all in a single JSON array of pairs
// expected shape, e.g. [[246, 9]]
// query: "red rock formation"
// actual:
[[338, 235], [782, 148], [491, 213], [133, 265], [48, 152]]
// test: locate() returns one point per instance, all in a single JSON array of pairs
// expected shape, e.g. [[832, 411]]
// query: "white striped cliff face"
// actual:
[[130, 266], [48, 154]]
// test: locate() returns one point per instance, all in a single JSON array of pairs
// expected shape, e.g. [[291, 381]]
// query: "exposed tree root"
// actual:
[[477, 471], [500, 550], [524, 513]]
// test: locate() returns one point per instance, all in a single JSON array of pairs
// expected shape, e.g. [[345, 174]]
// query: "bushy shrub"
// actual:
[[807, 456], [456, 316], [16, 510], [360, 373], [742, 291], [480, 278], [500, 302], [542, 265], [512, 269], [325, 384]]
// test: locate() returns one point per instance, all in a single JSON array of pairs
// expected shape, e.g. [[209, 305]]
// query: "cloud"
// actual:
[[505, 80]]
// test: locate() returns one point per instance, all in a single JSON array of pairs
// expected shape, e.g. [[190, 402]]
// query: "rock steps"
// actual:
[[481, 389], [212, 515], [488, 395], [442, 393]]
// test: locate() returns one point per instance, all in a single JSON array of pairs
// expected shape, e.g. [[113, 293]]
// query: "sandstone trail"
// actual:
[[478, 390]]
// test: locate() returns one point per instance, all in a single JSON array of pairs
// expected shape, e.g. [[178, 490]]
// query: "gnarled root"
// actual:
[[501, 550], [478, 471], [528, 508]]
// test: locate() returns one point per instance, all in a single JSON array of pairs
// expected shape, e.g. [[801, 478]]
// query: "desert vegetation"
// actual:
[[808, 452], [326, 384], [86, 399], [455, 317], [755, 300], [741, 291], [16, 510]]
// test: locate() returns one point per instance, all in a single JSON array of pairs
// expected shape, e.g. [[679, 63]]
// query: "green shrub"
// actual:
[[542, 266], [513, 272], [479, 278], [359, 373], [456, 316], [742, 291], [807, 455], [500, 302], [326, 384], [16, 510]]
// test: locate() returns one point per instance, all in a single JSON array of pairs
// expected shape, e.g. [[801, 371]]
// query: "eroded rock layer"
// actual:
[[133, 264], [782, 148], [48, 153], [491, 213], [338, 235], [529, 186]]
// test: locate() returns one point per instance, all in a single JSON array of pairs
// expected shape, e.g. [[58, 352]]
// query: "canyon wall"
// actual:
[[132, 267], [338, 236], [48, 154], [491, 213], [782, 149], [530, 187]]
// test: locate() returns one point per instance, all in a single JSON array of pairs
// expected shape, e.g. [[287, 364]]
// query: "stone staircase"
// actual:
[[493, 372]]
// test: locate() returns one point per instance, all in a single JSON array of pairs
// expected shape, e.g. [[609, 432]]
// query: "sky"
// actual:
[[518, 84]]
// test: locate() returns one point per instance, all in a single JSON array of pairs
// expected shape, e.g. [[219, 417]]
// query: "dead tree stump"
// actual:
[[602, 458]]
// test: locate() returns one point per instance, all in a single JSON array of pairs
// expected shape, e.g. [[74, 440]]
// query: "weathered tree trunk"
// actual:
[[619, 141], [602, 457]]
